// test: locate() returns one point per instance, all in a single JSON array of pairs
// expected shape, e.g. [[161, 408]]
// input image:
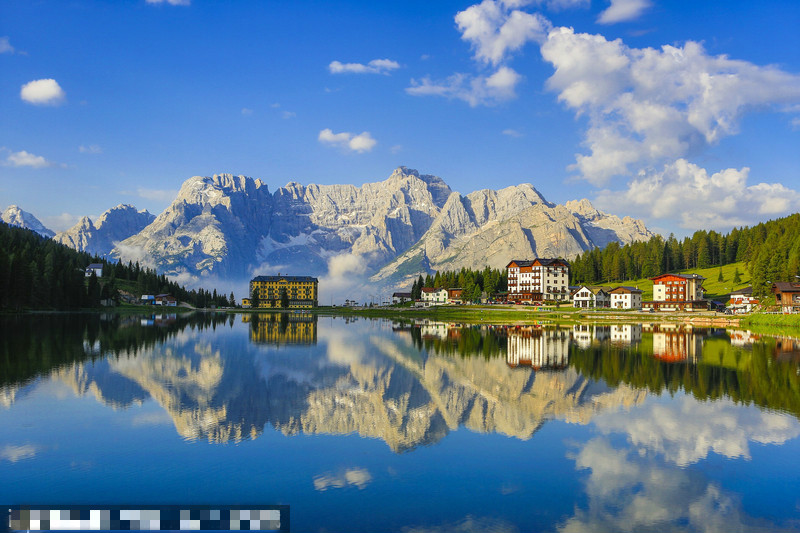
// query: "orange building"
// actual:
[[677, 292]]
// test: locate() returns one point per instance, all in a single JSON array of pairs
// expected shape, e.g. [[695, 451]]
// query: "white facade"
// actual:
[[626, 298], [546, 277], [588, 297], [626, 333], [434, 296], [539, 349]]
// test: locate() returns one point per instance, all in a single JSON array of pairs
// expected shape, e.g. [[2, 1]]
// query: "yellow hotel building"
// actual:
[[267, 292]]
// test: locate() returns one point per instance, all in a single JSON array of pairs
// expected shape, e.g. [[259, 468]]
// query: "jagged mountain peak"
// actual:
[[114, 225], [15, 216]]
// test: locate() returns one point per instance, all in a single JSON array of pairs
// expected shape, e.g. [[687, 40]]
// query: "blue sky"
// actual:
[[685, 114]]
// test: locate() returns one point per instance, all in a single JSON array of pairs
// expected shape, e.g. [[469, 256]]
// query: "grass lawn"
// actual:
[[715, 289]]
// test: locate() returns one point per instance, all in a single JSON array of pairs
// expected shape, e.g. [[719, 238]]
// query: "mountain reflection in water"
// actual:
[[612, 427], [410, 388]]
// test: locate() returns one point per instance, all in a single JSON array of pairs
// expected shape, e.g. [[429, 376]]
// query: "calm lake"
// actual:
[[374, 425]]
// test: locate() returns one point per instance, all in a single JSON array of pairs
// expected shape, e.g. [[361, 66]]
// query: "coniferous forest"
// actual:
[[771, 251], [39, 273]]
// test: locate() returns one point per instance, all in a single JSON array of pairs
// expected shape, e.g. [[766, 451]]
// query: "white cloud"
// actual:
[[687, 430], [630, 492], [286, 115], [352, 477], [27, 159], [477, 90], [91, 149], [171, 2], [13, 453], [686, 192], [246, 111], [363, 142], [623, 10], [494, 30], [512, 133], [647, 106], [5, 46], [345, 277], [376, 66], [42, 92]]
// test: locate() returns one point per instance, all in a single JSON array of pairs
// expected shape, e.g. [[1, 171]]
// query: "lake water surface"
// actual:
[[374, 425]]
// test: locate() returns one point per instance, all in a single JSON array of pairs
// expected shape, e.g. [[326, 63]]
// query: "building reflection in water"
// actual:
[[677, 343], [538, 348], [282, 328]]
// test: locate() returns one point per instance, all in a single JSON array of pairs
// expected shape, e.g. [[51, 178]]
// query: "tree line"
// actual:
[[770, 250], [39, 273], [474, 283]]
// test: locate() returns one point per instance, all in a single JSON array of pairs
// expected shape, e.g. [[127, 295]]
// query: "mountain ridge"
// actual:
[[387, 232]]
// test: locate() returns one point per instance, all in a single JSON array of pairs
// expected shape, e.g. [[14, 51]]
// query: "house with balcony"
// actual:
[[432, 296], [742, 301], [787, 296], [589, 297], [538, 280], [454, 296], [677, 292]]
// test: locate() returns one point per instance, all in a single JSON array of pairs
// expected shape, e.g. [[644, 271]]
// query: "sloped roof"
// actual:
[[786, 286], [624, 288]]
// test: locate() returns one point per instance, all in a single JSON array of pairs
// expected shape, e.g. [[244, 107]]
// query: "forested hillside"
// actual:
[[39, 273], [771, 251]]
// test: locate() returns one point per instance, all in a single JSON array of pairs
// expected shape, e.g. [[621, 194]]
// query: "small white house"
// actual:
[[97, 268], [626, 298], [431, 296], [590, 297], [401, 297]]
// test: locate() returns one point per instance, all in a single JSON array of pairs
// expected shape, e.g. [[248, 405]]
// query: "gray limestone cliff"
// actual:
[[113, 226], [408, 224]]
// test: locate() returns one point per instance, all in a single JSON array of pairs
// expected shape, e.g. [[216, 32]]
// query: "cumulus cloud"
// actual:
[[623, 10], [494, 29], [345, 277], [91, 149], [352, 477], [475, 90], [647, 106], [42, 92], [686, 431], [363, 142], [26, 159], [171, 2], [687, 192], [5, 46], [376, 66], [628, 492]]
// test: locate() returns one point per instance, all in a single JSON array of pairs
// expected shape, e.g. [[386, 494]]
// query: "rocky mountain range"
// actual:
[[377, 386], [389, 231], [14, 216], [113, 226]]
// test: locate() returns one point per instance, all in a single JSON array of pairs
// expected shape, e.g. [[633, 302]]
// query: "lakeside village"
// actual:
[[536, 282]]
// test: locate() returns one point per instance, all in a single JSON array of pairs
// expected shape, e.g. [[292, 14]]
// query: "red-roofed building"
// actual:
[[677, 292], [538, 280]]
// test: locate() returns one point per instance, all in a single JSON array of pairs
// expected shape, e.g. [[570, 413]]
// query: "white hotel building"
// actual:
[[538, 280]]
